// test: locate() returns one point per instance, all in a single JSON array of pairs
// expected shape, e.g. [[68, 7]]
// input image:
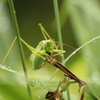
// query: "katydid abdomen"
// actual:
[[37, 62], [38, 59]]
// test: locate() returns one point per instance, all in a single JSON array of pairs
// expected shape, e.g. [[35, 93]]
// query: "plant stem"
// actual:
[[74, 77], [94, 39], [14, 19], [55, 2], [91, 93]]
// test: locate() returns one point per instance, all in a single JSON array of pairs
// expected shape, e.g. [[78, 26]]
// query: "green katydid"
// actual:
[[44, 50]]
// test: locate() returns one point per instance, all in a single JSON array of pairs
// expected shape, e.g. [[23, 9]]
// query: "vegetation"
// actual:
[[79, 21]]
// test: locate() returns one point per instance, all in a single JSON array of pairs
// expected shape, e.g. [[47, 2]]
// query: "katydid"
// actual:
[[46, 49]]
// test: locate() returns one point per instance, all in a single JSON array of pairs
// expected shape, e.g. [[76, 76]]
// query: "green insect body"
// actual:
[[37, 61], [48, 46], [46, 49]]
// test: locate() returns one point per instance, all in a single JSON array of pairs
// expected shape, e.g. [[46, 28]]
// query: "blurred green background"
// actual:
[[80, 22]]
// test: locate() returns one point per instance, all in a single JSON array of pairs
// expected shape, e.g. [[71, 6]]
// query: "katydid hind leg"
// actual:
[[29, 47], [12, 44], [33, 50]]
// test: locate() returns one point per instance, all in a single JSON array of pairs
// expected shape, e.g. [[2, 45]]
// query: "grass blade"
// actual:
[[14, 19], [55, 2]]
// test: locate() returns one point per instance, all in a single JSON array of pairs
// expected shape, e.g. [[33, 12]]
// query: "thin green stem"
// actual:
[[56, 11], [14, 19], [91, 93], [73, 53], [55, 2]]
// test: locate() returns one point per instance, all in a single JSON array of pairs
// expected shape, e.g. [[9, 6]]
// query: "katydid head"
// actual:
[[48, 46]]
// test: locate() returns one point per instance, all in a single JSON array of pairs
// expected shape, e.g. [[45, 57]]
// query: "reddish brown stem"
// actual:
[[65, 70], [72, 76]]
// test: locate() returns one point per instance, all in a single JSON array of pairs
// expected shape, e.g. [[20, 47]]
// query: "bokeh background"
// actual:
[[80, 22]]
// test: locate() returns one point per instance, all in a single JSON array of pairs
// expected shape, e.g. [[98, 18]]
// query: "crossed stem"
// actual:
[[74, 77]]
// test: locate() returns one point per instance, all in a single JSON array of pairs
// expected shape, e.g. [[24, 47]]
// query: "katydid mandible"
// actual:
[[46, 49]]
